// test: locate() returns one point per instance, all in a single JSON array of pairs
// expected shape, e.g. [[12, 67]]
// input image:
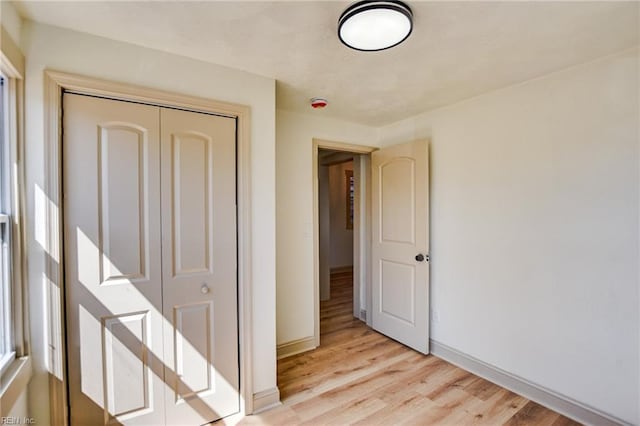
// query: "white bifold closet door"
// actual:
[[150, 263]]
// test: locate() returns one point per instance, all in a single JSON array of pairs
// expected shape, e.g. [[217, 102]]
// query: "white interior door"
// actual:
[[400, 243], [199, 266], [111, 156], [150, 263]]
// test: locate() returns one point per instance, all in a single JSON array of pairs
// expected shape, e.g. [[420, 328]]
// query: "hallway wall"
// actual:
[[341, 242]]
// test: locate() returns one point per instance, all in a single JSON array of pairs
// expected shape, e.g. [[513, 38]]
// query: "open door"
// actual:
[[400, 243]]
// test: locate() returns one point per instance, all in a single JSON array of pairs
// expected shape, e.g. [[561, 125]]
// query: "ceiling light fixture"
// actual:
[[375, 25]]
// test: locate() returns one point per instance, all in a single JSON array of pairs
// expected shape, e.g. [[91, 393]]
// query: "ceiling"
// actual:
[[457, 49]]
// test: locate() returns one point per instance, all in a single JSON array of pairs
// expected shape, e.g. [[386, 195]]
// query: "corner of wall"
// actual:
[[11, 20]]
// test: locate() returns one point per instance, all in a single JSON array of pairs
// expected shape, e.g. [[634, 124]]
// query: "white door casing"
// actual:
[[400, 232], [116, 265]]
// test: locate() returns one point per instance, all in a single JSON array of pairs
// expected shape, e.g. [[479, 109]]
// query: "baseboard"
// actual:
[[295, 347], [553, 400], [338, 269], [265, 400]]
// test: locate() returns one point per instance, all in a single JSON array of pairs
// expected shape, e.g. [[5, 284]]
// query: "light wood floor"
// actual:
[[358, 376]]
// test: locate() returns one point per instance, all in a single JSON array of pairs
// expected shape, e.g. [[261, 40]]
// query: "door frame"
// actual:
[[359, 252], [55, 83]]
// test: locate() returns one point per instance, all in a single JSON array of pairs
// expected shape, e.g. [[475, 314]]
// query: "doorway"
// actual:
[[341, 227], [336, 199], [391, 237]]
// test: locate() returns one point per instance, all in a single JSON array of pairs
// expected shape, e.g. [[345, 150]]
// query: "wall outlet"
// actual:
[[435, 316]]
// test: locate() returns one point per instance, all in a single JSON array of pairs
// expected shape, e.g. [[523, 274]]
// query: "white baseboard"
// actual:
[[265, 400], [295, 347], [555, 401]]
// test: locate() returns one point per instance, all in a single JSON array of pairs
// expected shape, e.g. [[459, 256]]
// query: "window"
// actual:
[[7, 353], [15, 362]]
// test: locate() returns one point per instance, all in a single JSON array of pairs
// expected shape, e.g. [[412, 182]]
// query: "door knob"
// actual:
[[422, 257], [204, 289]]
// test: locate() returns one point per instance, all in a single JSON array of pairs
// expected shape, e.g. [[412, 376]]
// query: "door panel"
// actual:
[[397, 200], [111, 188], [199, 266], [397, 291], [194, 349], [150, 263], [192, 195], [400, 283], [126, 364], [123, 155]]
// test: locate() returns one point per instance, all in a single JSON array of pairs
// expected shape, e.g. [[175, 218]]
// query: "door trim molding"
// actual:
[[55, 83], [266, 399], [336, 146]]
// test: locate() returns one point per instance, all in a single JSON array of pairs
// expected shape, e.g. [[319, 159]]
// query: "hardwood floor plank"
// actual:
[[482, 389], [455, 380], [533, 413], [401, 405], [564, 421], [348, 413], [499, 408]]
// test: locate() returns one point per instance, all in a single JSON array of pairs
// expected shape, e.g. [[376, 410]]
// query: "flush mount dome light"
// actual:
[[375, 25]]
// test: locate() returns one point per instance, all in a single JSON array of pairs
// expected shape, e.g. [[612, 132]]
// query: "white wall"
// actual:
[[294, 212], [534, 229], [341, 239], [63, 50], [19, 409], [11, 21]]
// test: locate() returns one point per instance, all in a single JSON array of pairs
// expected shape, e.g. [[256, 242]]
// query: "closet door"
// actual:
[[199, 266], [111, 188]]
